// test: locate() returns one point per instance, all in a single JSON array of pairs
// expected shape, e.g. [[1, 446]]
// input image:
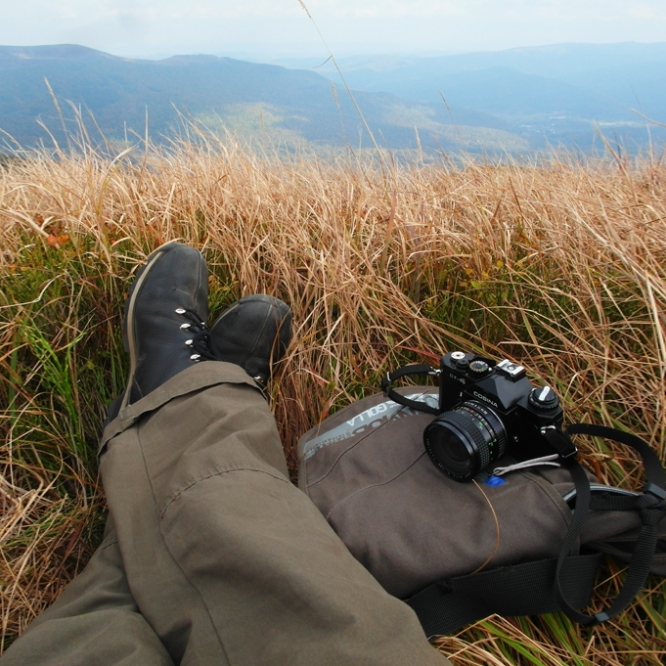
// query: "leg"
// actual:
[[229, 561], [94, 621]]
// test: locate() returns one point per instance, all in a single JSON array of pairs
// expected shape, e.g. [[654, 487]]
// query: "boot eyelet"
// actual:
[[195, 357], [184, 327], [180, 311], [189, 342]]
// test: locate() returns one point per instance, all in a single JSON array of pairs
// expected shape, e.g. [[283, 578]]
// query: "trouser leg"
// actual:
[[229, 561], [94, 622]]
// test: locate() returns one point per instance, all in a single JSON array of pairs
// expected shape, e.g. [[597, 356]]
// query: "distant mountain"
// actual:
[[509, 101], [554, 93], [555, 61], [296, 106]]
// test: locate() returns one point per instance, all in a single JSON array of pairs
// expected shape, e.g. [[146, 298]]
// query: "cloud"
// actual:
[[134, 27], [391, 8], [132, 23]]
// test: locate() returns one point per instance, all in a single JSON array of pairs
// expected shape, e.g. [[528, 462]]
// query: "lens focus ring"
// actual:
[[466, 440]]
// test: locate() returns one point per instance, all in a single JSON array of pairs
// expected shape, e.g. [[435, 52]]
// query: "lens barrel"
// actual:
[[464, 441]]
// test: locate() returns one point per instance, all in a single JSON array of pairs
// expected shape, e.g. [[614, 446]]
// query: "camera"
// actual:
[[488, 409]]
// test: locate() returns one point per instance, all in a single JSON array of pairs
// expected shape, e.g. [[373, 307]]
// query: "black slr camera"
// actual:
[[487, 409]]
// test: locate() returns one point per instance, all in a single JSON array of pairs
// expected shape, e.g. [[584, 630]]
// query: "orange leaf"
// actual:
[[57, 241]]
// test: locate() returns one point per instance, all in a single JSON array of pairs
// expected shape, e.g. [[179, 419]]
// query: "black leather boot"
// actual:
[[253, 333], [163, 327]]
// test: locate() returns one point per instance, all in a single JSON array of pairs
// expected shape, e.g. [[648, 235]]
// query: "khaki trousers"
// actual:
[[211, 555]]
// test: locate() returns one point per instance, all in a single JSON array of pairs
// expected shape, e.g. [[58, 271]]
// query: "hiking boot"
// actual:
[[163, 327], [253, 333]]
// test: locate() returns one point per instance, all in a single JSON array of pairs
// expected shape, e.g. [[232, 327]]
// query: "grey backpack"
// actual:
[[527, 544]]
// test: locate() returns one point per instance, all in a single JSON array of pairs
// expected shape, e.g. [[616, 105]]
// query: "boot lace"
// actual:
[[200, 343]]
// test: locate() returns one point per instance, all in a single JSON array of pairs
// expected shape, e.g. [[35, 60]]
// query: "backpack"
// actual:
[[525, 543]]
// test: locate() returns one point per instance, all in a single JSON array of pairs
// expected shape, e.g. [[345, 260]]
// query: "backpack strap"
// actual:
[[520, 589], [651, 506]]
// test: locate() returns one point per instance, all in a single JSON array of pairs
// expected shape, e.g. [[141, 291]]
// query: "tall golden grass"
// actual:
[[560, 266]]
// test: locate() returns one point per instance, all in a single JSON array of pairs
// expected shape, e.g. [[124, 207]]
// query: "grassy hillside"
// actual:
[[559, 266]]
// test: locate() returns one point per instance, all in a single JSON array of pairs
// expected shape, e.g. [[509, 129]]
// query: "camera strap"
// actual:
[[406, 370]]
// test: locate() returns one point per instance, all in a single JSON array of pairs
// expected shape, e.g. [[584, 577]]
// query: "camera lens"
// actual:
[[465, 440]]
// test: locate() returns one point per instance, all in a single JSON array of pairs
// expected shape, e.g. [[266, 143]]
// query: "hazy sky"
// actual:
[[281, 28]]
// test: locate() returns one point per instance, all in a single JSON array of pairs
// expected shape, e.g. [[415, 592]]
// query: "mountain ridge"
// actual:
[[507, 101], [577, 86], [117, 91]]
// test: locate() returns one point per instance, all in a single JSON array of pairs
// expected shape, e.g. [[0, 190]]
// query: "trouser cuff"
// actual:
[[198, 377]]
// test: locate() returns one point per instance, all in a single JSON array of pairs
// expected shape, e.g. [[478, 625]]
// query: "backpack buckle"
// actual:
[[652, 504], [654, 489]]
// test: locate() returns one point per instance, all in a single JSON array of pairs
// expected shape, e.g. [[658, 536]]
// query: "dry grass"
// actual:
[[559, 266]]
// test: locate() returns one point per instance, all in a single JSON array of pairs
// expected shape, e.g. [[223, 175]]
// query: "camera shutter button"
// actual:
[[543, 397]]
